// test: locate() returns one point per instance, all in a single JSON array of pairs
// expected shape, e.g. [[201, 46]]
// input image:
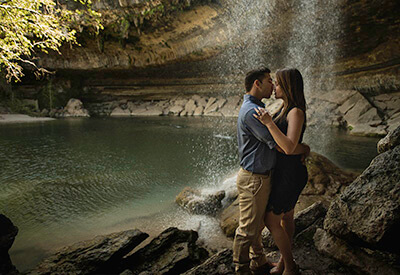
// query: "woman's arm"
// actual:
[[288, 142]]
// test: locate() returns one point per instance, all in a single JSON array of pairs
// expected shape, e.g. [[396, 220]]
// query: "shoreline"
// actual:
[[19, 118]]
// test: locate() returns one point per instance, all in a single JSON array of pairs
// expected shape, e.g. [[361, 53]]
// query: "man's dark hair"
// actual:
[[254, 75]]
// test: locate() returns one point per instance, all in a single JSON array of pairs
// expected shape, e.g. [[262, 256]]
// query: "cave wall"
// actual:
[[204, 48]]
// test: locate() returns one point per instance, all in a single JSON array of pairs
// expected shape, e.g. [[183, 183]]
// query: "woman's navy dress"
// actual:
[[288, 179]]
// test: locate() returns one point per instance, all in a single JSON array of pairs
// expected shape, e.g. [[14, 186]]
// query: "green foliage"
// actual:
[[27, 27]]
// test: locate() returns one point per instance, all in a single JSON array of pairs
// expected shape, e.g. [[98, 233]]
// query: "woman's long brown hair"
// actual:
[[292, 85]]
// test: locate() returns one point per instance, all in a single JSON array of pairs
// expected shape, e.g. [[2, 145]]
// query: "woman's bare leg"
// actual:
[[281, 238], [288, 224]]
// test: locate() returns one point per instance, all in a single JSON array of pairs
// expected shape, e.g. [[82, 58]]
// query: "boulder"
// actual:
[[230, 108], [197, 203], [198, 111], [211, 108], [322, 112], [337, 97], [190, 107], [103, 254], [229, 220], [367, 130], [305, 224], [361, 117], [74, 108], [8, 231], [362, 261], [174, 251], [273, 105], [218, 264], [118, 111], [324, 177], [390, 141], [210, 102], [176, 110], [201, 101], [152, 110], [368, 211], [393, 122], [349, 103], [181, 102]]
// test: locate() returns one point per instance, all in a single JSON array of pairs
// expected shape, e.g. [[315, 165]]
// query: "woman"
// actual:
[[290, 174]]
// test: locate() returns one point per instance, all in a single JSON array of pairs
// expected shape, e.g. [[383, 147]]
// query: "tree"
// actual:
[[30, 26]]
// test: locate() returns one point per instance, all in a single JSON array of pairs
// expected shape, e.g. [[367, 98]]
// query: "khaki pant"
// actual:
[[254, 190]]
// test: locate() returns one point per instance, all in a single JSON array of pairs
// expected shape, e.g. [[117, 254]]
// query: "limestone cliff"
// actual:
[[206, 46]]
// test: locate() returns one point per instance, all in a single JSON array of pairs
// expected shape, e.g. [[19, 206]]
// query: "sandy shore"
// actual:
[[18, 118]]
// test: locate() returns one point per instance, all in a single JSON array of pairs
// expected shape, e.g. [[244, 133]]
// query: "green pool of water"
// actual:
[[69, 180]]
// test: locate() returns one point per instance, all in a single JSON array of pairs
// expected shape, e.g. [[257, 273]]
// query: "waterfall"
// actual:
[[301, 34]]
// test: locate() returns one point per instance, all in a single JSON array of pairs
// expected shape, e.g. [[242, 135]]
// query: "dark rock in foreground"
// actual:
[[102, 254], [390, 141], [8, 231], [362, 224], [362, 261], [174, 251], [220, 263], [368, 211]]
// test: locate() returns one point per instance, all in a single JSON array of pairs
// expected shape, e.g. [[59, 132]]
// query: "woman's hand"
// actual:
[[263, 116]]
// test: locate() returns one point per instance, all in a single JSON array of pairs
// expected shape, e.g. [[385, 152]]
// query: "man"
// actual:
[[257, 156]]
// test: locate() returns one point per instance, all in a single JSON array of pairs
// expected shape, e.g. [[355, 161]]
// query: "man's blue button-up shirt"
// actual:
[[257, 151]]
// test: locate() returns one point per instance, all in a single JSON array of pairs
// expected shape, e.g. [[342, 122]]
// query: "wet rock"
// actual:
[[198, 111], [8, 231], [368, 131], [322, 112], [190, 107], [273, 105], [210, 102], [151, 110], [200, 101], [362, 117], [218, 264], [350, 102], [74, 108], [174, 251], [176, 110], [338, 97], [230, 109], [367, 213], [103, 254], [230, 219], [213, 105], [324, 177], [390, 141], [393, 122], [306, 222], [197, 203], [362, 261], [118, 111]]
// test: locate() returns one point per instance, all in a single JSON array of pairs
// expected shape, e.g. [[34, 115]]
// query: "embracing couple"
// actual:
[[272, 173]]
